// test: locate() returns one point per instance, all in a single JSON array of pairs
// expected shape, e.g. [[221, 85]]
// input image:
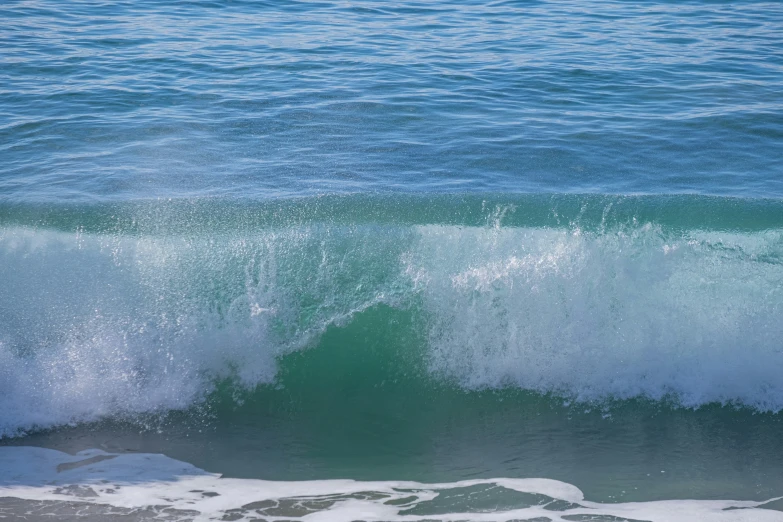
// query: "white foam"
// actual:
[[138, 481], [617, 314], [102, 325], [95, 325]]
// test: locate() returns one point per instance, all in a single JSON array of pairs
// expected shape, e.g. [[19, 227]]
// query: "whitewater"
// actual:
[[136, 321], [153, 487]]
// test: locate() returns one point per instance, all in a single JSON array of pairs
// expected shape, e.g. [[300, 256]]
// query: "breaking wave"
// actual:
[[116, 312]]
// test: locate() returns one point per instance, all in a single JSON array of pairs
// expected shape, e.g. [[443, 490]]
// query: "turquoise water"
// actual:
[[499, 251]]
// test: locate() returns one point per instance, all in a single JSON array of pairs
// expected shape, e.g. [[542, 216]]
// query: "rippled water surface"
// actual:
[[152, 98]]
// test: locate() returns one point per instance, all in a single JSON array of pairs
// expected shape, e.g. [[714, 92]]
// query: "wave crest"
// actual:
[[97, 324]]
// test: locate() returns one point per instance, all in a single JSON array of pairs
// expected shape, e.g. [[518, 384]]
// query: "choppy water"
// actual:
[[516, 254]]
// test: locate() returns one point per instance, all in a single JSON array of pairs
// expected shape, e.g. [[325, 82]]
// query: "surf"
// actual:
[[97, 483], [126, 310]]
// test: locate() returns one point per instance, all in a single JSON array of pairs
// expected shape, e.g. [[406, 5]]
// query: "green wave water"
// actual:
[[117, 310]]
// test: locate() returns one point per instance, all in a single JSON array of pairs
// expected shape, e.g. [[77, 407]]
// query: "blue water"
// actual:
[[156, 99], [453, 242]]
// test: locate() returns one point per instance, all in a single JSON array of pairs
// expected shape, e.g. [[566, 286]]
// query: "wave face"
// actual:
[[116, 311]]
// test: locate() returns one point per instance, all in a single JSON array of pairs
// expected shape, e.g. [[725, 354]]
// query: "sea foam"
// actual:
[[42, 482], [630, 312]]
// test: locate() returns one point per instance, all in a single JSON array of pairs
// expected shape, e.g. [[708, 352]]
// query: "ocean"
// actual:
[[403, 261]]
